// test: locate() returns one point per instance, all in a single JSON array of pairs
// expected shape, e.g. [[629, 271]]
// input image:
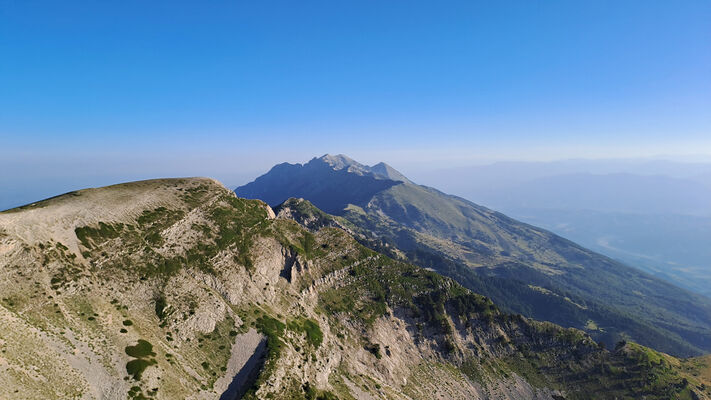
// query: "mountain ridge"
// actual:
[[500, 257], [178, 288]]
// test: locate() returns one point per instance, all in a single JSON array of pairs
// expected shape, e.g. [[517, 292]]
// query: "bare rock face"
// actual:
[[175, 288], [270, 212], [307, 215], [243, 366]]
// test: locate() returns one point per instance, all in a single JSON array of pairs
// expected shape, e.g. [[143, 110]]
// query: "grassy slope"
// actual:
[[544, 353], [188, 276], [508, 257], [90, 316]]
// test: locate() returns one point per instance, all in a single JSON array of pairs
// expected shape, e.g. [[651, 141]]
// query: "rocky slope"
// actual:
[[522, 268], [178, 289]]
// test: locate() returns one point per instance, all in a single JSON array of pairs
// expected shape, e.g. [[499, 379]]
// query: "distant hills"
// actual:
[[616, 192], [524, 269]]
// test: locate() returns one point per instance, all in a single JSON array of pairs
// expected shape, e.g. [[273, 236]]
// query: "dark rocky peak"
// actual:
[[330, 182]]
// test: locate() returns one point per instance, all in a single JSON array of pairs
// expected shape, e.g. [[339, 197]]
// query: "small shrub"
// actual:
[[314, 336], [136, 367], [160, 306], [142, 349], [374, 349]]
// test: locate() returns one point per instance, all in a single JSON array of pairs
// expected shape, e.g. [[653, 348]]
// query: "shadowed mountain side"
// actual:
[[335, 187]]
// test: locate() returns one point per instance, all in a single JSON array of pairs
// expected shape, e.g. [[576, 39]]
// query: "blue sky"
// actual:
[[92, 92]]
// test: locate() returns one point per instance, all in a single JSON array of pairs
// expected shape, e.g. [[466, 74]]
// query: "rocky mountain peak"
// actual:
[[386, 171], [339, 161], [380, 170]]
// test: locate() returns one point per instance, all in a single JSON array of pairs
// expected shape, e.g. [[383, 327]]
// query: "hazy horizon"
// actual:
[[57, 178], [98, 93]]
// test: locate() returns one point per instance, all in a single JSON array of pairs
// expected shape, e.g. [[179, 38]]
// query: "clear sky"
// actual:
[[92, 92]]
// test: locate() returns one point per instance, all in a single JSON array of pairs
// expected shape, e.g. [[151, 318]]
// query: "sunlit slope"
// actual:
[[178, 289]]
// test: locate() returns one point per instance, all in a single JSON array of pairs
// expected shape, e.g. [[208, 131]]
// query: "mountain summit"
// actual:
[[340, 161], [378, 171], [524, 269], [335, 180]]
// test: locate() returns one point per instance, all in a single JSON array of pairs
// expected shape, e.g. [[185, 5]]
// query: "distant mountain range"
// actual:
[[524, 269], [618, 192]]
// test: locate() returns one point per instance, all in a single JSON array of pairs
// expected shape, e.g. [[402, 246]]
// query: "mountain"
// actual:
[[651, 214], [524, 269], [335, 180], [175, 288]]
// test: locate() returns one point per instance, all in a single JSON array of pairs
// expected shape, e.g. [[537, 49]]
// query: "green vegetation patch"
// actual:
[[93, 236], [308, 244], [232, 224], [311, 393], [630, 371], [273, 329], [310, 328], [374, 349], [234, 221], [161, 306], [238, 222], [135, 368], [140, 352], [376, 282]]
